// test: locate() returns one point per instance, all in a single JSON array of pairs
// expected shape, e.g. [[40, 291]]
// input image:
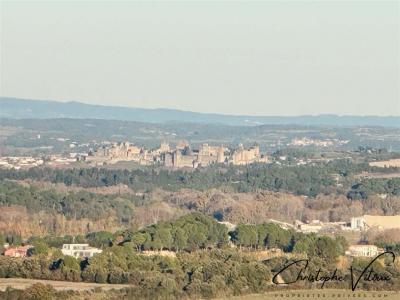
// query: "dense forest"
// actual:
[[72, 201], [309, 180], [76, 205]]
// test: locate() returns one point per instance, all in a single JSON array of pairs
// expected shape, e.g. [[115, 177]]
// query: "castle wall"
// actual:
[[178, 158]]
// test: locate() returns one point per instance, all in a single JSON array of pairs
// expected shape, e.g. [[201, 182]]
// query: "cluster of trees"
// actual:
[[37, 291], [11, 239], [76, 205], [309, 180], [269, 235], [190, 232], [372, 186], [388, 239]]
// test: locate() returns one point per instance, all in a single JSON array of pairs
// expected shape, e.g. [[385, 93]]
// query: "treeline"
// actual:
[[196, 231], [191, 232], [272, 236], [309, 180], [372, 186], [200, 274], [205, 265], [33, 209], [74, 205]]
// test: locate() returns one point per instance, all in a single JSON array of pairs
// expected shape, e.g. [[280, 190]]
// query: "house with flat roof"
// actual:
[[363, 250], [79, 250]]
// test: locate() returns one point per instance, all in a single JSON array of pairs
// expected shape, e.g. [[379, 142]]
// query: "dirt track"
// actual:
[[21, 283]]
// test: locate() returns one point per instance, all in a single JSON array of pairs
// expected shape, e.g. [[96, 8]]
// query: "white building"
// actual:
[[357, 223], [363, 250], [79, 250], [381, 222], [313, 227]]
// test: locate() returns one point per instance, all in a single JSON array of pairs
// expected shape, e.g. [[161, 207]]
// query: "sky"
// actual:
[[253, 58]]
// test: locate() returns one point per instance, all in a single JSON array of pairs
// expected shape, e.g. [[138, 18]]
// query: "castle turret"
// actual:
[[164, 147], [176, 158], [220, 155], [256, 150]]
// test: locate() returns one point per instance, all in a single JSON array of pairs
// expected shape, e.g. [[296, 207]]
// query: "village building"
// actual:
[[21, 251], [79, 250], [313, 227], [317, 226], [363, 251]]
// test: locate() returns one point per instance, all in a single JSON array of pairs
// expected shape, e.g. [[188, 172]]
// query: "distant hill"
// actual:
[[14, 108]]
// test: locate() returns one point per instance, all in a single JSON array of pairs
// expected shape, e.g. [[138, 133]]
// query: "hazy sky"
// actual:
[[258, 58]]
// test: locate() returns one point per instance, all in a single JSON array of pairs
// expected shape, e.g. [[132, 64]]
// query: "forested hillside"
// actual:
[[204, 259], [73, 201], [310, 180]]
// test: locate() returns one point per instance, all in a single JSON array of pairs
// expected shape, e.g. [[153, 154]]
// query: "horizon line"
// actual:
[[196, 112]]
